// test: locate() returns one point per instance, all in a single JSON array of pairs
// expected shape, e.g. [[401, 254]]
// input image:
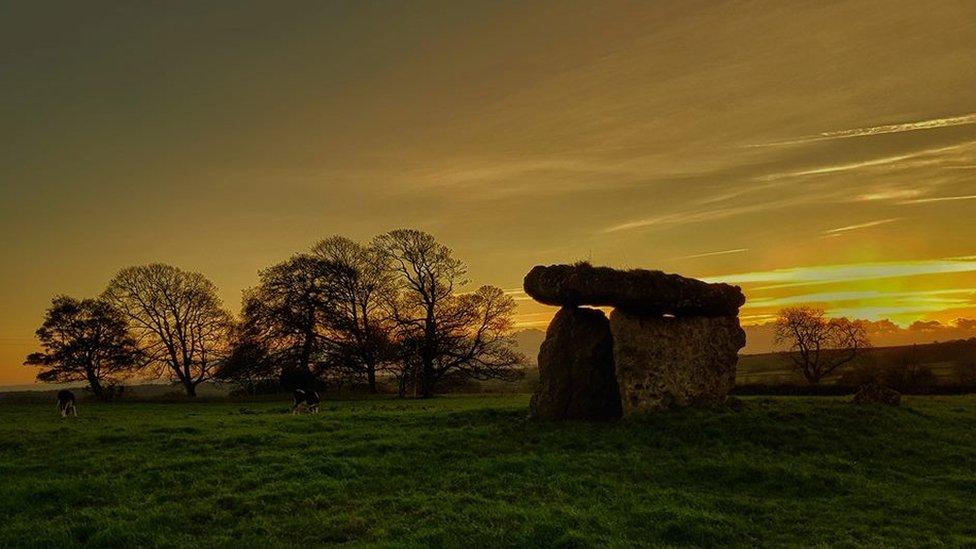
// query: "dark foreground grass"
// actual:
[[473, 471]]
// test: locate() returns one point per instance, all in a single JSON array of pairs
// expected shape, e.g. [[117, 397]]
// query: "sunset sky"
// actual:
[[812, 152]]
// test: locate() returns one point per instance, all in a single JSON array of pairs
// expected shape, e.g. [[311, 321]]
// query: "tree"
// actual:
[[248, 365], [83, 340], [444, 334], [476, 340], [177, 318], [360, 330], [818, 345], [290, 310]]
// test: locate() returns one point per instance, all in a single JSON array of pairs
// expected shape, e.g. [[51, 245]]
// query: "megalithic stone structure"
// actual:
[[670, 341]]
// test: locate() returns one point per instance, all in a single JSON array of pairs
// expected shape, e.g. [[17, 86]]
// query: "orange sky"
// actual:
[[812, 152]]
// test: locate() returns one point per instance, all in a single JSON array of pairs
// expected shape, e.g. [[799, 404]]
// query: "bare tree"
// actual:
[[248, 365], [83, 340], [360, 325], [177, 319], [443, 333], [476, 340], [290, 310], [818, 345]]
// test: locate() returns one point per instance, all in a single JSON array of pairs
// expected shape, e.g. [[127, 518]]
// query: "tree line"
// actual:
[[342, 311]]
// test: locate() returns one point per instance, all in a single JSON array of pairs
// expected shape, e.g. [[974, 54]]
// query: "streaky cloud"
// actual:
[[711, 254], [942, 297], [872, 163], [918, 125], [848, 228], [828, 274], [930, 124], [939, 199]]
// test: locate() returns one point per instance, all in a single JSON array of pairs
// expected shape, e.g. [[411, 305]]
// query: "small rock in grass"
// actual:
[[872, 393]]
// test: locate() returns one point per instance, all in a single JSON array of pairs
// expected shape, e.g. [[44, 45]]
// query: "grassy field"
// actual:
[[473, 471]]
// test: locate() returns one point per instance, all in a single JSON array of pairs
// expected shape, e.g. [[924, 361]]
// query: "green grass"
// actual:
[[472, 471]]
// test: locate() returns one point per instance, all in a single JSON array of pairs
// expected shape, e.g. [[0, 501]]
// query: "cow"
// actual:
[[307, 399], [66, 403]]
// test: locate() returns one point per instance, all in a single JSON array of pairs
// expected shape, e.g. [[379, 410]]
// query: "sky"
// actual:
[[812, 152]]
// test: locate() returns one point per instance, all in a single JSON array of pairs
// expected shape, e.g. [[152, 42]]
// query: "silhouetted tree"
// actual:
[[83, 340], [248, 365], [446, 334], [818, 345], [360, 330], [177, 318], [290, 312]]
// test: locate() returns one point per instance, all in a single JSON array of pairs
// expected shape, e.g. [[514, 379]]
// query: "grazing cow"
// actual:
[[66, 403], [307, 399]]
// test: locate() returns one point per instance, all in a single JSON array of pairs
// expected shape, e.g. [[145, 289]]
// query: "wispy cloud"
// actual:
[[953, 296], [885, 311], [531, 320], [710, 254], [932, 156], [929, 124], [841, 230], [918, 125], [827, 274], [891, 194], [679, 218], [699, 216], [836, 168], [940, 199]]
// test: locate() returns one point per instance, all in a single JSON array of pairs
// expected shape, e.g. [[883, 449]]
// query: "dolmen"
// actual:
[[670, 341]]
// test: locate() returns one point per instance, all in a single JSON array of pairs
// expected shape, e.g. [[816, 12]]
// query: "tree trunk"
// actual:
[[428, 353], [402, 385], [95, 384], [191, 388], [371, 375], [305, 360], [427, 380]]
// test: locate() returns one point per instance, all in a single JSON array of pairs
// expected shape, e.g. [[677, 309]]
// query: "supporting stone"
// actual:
[[664, 362], [576, 372]]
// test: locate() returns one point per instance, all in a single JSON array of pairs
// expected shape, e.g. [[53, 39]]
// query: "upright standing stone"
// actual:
[[663, 362], [576, 373]]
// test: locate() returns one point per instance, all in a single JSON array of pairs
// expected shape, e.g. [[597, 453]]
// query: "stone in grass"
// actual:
[[872, 393]]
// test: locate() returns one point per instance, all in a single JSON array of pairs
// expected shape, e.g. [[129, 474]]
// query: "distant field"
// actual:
[[473, 471], [943, 359]]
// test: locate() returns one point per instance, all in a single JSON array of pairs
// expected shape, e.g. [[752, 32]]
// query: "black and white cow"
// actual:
[[307, 399], [66, 403]]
